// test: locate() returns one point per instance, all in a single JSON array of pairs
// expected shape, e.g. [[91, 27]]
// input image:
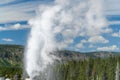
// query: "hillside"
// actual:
[[78, 66], [12, 55], [72, 55]]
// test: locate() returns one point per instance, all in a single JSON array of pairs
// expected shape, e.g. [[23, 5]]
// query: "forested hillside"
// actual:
[[11, 55], [73, 65], [91, 69]]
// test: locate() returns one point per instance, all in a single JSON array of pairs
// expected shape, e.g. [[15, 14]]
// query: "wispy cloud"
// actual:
[[14, 27], [18, 12], [116, 34], [26, 10], [113, 22], [112, 7], [97, 39], [7, 40], [5, 1], [109, 48], [91, 46], [79, 46]]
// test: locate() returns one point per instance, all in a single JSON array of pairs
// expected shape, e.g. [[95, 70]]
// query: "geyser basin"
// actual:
[[56, 26]]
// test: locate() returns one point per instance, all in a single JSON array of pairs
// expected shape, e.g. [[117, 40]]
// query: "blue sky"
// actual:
[[15, 30]]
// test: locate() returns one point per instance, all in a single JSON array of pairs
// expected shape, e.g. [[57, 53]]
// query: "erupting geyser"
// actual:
[[55, 27], [40, 44]]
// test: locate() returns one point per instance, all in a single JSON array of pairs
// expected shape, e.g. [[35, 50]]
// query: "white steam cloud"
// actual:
[[57, 25]]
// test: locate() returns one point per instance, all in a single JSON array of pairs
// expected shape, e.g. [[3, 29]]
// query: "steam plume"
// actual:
[[56, 26]]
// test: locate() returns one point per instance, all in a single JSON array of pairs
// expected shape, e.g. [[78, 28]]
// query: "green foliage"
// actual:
[[75, 66], [91, 69], [10, 71], [11, 60], [11, 55]]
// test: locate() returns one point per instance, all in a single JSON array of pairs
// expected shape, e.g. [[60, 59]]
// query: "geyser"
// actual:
[[40, 43], [56, 26]]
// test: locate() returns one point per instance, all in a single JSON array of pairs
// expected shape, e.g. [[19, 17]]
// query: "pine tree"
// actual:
[[117, 72]]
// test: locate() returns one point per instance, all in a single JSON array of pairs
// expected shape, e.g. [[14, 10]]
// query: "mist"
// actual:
[[56, 26]]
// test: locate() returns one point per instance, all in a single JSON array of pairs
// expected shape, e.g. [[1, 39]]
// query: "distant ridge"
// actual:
[[12, 55], [73, 55]]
